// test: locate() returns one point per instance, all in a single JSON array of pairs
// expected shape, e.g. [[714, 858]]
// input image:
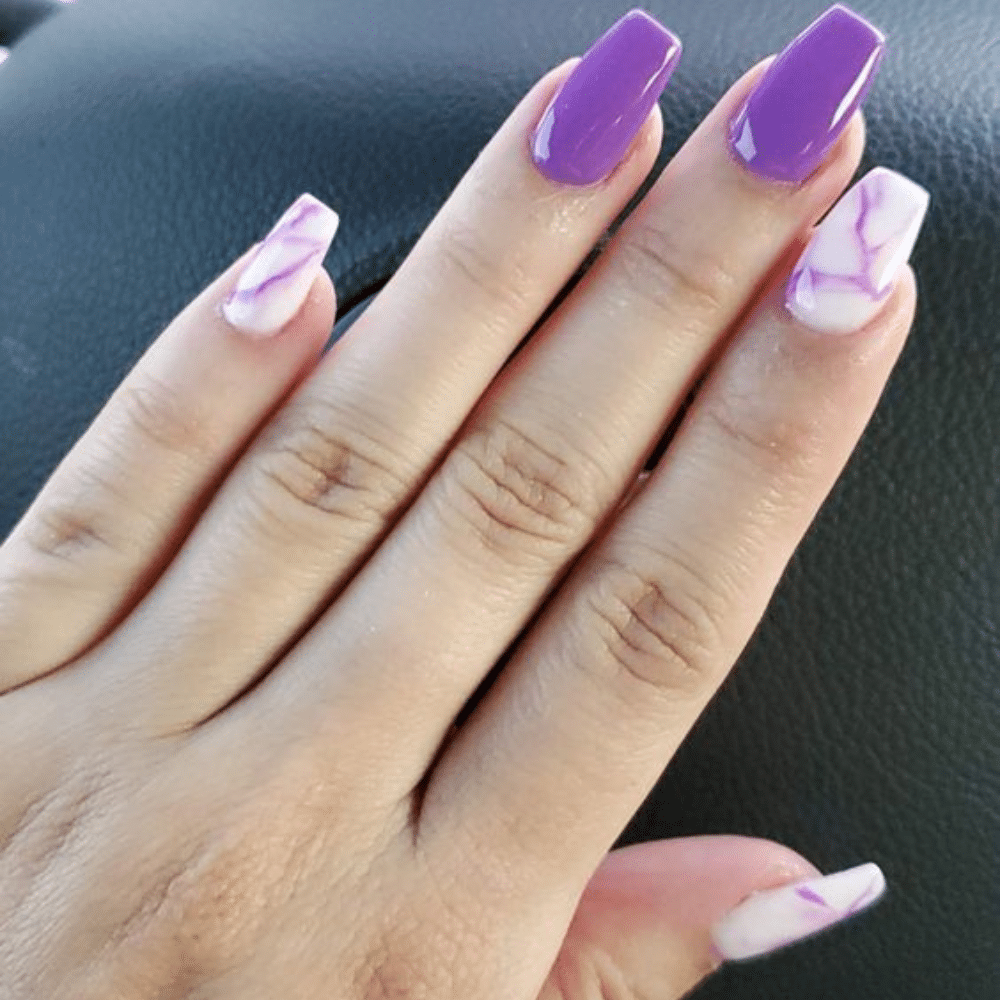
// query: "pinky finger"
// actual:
[[122, 500]]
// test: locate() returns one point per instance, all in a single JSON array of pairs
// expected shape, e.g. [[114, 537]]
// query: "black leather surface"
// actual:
[[143, 145]]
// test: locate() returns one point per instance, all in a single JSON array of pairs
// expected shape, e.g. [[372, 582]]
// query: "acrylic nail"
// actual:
[[277, 279], [852, 261], [774, 918], [590, 123], [807, 96]]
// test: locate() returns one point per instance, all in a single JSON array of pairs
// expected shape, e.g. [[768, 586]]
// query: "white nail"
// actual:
[[771, 919], [856, 253], [275, 283]]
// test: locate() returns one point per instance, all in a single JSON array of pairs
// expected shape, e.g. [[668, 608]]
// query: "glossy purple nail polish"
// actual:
[[590, 123], [807, 96]]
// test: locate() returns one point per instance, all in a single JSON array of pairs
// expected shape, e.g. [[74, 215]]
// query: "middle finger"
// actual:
[[547, 454], [331, 472]]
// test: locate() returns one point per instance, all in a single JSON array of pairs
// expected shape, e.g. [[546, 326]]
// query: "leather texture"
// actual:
[[144, 145]]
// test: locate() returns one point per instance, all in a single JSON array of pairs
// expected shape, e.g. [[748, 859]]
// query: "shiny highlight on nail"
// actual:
[[589, 125], [807, 96]]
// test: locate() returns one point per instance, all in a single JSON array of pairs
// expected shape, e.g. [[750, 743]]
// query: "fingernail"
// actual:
[[276, 281], [769, 920], [854, 257], [807, 96], [590, 123]]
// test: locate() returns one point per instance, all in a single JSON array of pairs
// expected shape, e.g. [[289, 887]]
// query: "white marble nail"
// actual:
[[277, 279], [4, 54], [773, 918], [854, 257]]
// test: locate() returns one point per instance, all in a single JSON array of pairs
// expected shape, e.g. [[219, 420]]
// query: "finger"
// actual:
[[647, 923], [554, 444], [120, 502], [319, 488], [625, 657]]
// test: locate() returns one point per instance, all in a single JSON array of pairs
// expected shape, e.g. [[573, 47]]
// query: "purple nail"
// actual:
[[590, 123], [807, 96]]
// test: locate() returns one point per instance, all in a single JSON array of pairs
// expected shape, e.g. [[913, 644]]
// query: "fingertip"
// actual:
[[319, 309]]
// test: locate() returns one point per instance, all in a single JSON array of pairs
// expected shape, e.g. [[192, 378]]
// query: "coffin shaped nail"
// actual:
[[774, 918], [277, 279], [588, 126], [807, 96], [852, 261]]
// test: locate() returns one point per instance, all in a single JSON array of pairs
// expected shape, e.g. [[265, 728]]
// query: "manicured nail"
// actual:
[[4, 54], [807, 96], [771, 919], [590, 123], [854, 257], [276, 281]]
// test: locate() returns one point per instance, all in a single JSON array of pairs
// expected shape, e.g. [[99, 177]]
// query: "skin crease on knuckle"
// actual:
[[315, 473], [658, 623], [524, 498]]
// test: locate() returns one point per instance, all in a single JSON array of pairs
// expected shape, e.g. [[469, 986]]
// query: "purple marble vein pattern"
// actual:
[[275, 282], [853, 259], [774, 918]]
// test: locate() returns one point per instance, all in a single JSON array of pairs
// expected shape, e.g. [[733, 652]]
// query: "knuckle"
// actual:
[[177, 910], [49, 825], [500, 281], [659, 628], [672, 278], [784, 446], [80, 517], [68, 531], [323, 462], [164, 418], [520, 496]]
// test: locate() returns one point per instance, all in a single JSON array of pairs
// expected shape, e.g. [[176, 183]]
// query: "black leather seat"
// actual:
[[144, 144]]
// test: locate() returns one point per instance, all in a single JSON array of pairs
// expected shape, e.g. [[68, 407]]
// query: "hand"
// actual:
[[241, 625]]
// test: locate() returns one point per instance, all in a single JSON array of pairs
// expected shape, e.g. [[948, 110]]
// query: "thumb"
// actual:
[[657, 918]]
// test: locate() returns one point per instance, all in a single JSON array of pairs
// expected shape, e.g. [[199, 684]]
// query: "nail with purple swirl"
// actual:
[[852, 261], [774, 918], [276, 281]]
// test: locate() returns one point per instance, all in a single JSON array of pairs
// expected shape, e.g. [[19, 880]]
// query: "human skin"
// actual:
[[239, 622]]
